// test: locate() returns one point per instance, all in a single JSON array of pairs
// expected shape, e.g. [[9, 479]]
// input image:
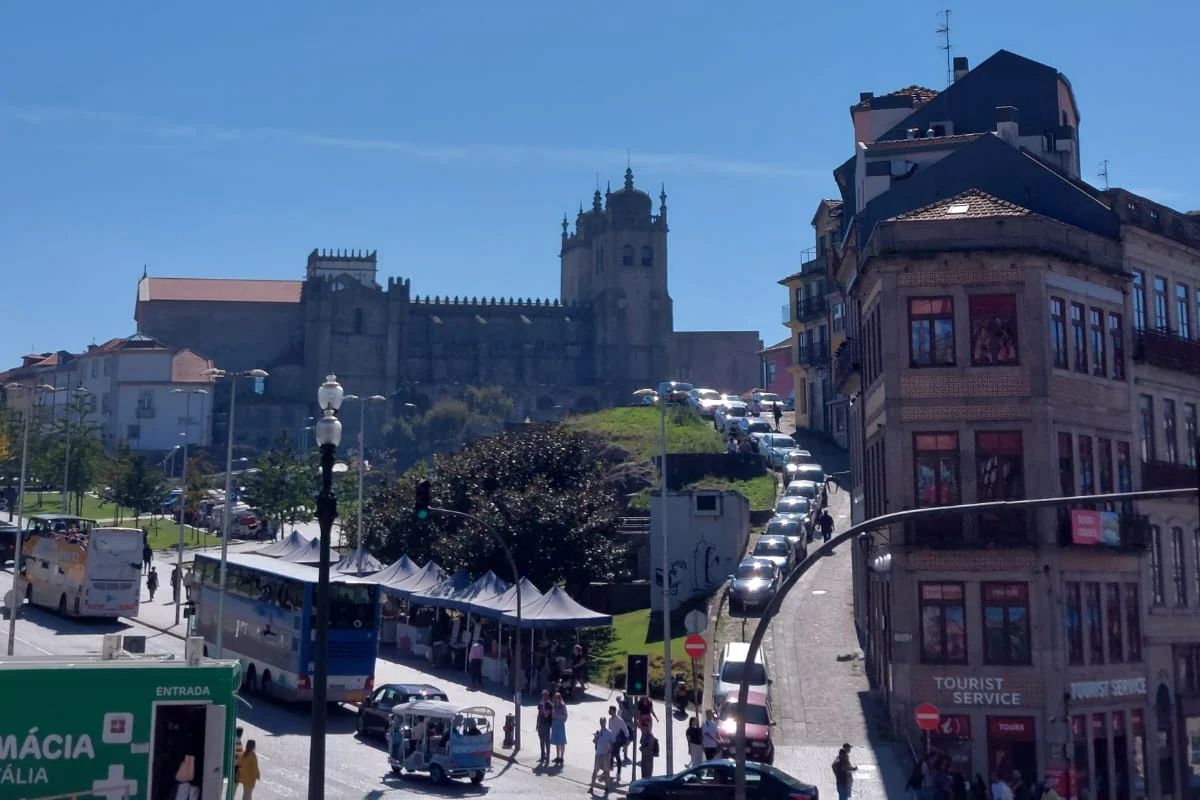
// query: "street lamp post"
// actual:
[[329, 435], [215, 374], [362, 451], [14, 602], [666, 561], [187, 421], [80, 392]]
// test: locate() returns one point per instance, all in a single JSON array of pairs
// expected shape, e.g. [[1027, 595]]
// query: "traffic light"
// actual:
[[637, 675], [421, 500]]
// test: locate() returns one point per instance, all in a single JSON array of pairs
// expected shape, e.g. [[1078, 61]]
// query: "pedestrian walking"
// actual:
[[843, 773], [238, 750], [603, 739], [620, 732], [629, 717], [174, 584], [777, 413], [545, 720], [648, 749], [475, 664], [247, 774], [147, 553], [558, 728], [152, 582], [645, 714], [1000, 789], [709, 739], [695, 748], [825, 523]]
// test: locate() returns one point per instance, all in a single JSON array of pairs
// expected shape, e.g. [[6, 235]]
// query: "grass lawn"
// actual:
[[636, 428], [52, 504], [632, 635], [165, 536], [759, 491]]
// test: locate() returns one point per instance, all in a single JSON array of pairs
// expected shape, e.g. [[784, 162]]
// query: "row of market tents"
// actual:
[[487, 596]]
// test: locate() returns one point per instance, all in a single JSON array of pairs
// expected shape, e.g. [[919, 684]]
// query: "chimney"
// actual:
[[1006, 125], [864, 98], [960, 67]]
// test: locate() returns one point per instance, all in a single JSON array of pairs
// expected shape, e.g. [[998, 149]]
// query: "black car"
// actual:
[[715, 779], [373, 713], [8, 543]]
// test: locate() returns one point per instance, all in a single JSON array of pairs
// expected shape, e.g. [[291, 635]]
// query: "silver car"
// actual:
[[726, 416], [796, 507], [776, 549], [754, 584], [754, 429], [803, 488], [776, 446], [794, 530]]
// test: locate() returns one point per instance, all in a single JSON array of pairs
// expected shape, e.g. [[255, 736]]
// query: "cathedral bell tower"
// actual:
[[616, 262]]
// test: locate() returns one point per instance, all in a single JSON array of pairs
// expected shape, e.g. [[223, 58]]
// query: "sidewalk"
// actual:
[[583, 715]]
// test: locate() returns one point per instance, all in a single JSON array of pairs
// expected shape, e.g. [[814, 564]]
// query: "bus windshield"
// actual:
[[351, 606]]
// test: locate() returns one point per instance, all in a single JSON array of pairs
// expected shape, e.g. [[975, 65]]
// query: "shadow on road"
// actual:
[[421, 785], [68, 626], [286, 719]]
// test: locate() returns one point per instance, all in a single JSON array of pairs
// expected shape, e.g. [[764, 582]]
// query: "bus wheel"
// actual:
[[436, 773], [62, 605], [248, 678], [477, 776]]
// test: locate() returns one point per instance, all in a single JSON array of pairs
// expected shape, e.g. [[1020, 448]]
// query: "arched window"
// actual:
[[627, 255], [358, 320], [647, 257]]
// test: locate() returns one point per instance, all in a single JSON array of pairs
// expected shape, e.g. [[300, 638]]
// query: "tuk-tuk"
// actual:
[[443, 739]]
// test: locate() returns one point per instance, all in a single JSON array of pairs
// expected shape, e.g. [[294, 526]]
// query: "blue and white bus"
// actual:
[[269, 623]]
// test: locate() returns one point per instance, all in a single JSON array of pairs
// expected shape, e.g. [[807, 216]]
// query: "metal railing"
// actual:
[[1167, 475], [1167, 350]]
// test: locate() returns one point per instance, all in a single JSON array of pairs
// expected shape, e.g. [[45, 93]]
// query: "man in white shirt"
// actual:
[[709, 738], [475, 664], [620, 732], [604, 739]]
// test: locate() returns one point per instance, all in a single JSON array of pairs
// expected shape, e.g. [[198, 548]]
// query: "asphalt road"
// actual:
[[356, 770]]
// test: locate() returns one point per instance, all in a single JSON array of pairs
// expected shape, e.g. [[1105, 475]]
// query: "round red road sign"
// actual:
[[695, 646], [927, 717]]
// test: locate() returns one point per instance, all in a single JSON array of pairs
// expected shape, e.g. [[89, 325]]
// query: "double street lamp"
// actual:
[[187, 422], [80, 393], [328, 430], [216, 374], [362, 452], [37, 390]]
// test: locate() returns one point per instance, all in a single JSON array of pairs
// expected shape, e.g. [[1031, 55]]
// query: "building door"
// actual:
[[1012, 745], [1165, 711]]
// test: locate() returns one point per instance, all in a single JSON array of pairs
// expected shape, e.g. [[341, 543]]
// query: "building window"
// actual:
[[999, 457], [358, 320], [1118, 345], [1112, 601], [1058, 331], [1171, 449], [108, 367], [1087, 474], [133, 432], [1104, 467], [1183, 313], [1133, 621], [993, 329], [1078, 338], [1177, 561], [1074, 604], [145, 401], [1156, 566], [943, 623], [1161, 319], [1096, 332], [1066, 465], [1190, 432], [647, 257], [1095, 628], [105, 403], [1005, 623], [95, 368], [935, 458], [931, 331], [839, 317], [1146, 412], [627, 255], [1139, 300], [1124, 468]]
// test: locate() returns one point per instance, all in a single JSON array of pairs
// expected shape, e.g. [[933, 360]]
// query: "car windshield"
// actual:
[[747, 572], [783, 529], [799, 457], [710, 395], [771, 547], [759, 427], [779, 440], [755, 714], [792, 505], [802, 490], [733, 670], [735, 411], [769, 398], [682, 387]]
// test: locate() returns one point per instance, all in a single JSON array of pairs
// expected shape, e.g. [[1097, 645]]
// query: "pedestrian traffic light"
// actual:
[[421, 500], [637, 675]]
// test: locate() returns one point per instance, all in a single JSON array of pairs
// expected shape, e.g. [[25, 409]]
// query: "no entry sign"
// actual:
[[695, 646], [927, 717]]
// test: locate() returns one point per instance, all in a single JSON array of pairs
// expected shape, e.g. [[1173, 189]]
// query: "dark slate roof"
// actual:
[[1004, 79], [971, 204]]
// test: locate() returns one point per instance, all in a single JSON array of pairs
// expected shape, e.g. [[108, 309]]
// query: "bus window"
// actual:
[[351, 606]]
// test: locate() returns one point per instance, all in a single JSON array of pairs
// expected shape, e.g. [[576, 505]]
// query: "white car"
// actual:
[[726, 417], [705, 401], [753, 428], [803, 488], [776, 446], [795, 460], [768, 401]]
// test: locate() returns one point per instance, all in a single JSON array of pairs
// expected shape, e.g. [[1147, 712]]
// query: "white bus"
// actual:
[[81, 570]]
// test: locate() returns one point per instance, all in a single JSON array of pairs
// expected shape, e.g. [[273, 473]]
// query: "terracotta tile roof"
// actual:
[[919, 93], [139, 341], [971, 204], [786, 343], [219, 290], [187, 366], [925, 142]]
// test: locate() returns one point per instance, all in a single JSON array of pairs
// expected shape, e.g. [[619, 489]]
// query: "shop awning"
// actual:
[[444, 593], [403, 569], [286, 546], [359, 563], [428, 577], [484, 590], [507, 602], [557, 609]]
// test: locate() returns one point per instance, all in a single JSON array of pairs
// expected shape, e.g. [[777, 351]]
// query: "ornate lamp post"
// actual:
[[362, 451], [80, 393], [187, 421]]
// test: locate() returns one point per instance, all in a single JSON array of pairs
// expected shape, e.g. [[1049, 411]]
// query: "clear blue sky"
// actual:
[[229, 139]]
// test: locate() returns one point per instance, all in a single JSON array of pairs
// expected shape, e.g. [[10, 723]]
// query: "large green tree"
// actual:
[[448, 425], [136, 483], [282, 487]]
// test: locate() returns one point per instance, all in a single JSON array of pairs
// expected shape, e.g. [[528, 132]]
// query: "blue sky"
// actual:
[[230, 139]]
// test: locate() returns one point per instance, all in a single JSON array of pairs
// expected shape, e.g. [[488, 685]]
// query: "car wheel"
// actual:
[[477, 776], [359, 730], [436, 773]]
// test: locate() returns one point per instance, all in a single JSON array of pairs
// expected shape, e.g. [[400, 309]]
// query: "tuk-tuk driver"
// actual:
[[416, 735]]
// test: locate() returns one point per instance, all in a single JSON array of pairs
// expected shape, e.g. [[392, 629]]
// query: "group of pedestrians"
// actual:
[[935, 777], [703, 739]]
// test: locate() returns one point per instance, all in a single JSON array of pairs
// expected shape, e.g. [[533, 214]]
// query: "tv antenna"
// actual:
[[1103, 173], [943, 30]]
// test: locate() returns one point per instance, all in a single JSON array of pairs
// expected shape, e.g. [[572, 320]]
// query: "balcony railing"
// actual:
[[980, 530], [847, 368], [1167, 350], [145, 413], [816, 357], [810, 307], [1167, 475], [1132, 530]]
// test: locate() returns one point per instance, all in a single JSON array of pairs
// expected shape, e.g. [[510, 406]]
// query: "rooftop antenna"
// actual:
[[597, 181], [628, 163], [1103, 173], [944, 31]]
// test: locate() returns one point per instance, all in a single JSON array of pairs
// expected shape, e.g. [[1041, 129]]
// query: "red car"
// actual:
[[760, 746]]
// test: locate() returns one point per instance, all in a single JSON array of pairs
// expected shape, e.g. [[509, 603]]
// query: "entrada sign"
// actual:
[[1096, 690], [965, 691]]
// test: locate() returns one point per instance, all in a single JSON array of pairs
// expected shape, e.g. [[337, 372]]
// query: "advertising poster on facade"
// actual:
[[1095, 527]]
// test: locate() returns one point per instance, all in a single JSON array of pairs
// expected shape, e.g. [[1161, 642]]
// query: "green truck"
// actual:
[[117, 726]]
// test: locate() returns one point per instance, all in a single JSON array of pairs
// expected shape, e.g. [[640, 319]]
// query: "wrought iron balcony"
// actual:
[[980, 530], [1167, 475], [810, 308], [815, 356], [1167, 350], [1122, 529], [847, 367]]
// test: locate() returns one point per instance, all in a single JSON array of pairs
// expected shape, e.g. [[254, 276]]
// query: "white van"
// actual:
[[728, 676]]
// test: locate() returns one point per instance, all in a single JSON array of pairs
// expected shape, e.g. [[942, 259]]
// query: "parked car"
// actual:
[[768, 401], [776, 549], [807, 472], [754, 583], [674, 391], [795, 460], [726, 416], [794, 507], [803, 488], [760, 747], [753, 429], [374, 712], [776, 446], [715, 779], [8, 543], [732, 666], [705, 401], [794, 530]]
